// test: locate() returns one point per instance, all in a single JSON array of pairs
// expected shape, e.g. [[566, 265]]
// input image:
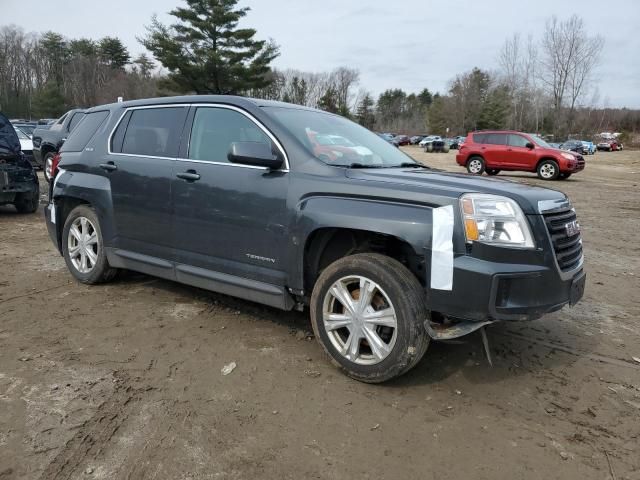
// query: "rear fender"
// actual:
[[92, 189]]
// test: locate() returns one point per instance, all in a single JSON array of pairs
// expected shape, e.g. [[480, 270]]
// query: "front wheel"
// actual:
[[83, 247], [548, 170], [475, 166], [367, 312]]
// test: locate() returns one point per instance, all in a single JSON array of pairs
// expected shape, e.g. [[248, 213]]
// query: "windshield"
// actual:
[[338, 141], [540, 142]]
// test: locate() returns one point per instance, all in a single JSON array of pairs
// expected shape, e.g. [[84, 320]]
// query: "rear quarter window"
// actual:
[[479, 137], [86, 129]]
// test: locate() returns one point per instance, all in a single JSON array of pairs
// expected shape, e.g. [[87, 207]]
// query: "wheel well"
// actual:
[[326, 245], [47, 149], [64, 205]]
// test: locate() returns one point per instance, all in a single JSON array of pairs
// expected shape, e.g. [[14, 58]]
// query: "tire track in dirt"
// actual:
[[94, 434]]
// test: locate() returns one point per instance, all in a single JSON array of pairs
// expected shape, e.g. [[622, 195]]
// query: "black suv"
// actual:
[[230, 194], [18, 181]]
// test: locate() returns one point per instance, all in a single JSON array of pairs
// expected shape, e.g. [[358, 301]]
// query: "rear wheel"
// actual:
[[429, 147], [47, 163], [83, 247], [476, 165], [367, 312], [548, 170], [492, 171]]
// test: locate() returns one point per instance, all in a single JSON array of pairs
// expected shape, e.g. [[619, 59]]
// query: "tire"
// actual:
[[28, 202], [476, 165], [429, 148], [492, 171], [445, 148], [564, 176], [402, 339], [86, 268], [548, 170], [46, 165]]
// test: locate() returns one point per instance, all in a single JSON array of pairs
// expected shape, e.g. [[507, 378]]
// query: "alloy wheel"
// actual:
[[360, 320], [83, 245]]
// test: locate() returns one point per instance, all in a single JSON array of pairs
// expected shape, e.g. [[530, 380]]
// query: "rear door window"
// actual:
[[517, 140], [79, 138], [496, 139], [154, 132], [215, 129]]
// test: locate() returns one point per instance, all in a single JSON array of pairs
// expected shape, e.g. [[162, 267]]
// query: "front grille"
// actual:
[[568, 248]]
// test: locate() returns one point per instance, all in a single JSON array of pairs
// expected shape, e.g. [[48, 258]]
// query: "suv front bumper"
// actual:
[[486, 290]]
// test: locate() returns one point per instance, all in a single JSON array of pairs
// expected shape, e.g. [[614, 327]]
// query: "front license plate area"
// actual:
[[577, 288]]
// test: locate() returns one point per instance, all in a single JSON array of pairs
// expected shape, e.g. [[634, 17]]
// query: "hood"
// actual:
[[455, 184], [26, 145], [9, 142]]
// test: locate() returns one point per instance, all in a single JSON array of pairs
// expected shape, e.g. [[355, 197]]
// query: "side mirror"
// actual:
[[254, 153], [530, 145]]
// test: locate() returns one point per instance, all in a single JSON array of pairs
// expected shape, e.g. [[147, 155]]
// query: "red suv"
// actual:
[[493, 151]]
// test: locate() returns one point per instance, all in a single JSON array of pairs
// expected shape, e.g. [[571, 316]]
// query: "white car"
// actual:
[[26, 145], [429, 139]]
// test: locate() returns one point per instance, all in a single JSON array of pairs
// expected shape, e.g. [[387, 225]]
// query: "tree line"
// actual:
[[545, 86]]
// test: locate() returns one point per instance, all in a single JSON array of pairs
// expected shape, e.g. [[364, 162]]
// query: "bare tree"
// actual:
[[569, 55]]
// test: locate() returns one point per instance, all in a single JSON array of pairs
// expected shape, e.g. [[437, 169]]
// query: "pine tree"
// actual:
[[113, 52], [329, 101], [365, 114], [206, 52]]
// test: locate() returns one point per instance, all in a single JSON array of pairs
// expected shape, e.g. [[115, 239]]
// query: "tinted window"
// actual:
[[154, 132], [80, 136], [215, 129], [118, 135], [496, 139], [517, 141], [479, 137], [75, 120]]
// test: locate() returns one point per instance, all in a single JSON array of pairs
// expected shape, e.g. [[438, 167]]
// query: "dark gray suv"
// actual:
[[293, 207]]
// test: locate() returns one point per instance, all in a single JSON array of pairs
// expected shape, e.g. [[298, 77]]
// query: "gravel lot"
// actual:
[[123, 381]]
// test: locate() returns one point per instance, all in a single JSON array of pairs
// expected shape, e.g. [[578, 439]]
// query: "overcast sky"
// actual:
[[409, 44]]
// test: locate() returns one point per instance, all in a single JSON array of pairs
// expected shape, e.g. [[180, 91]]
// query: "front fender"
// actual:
[[407, 222]]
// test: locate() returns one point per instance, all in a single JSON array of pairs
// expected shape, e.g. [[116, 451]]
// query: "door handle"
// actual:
[[109, 166], [189, 176]]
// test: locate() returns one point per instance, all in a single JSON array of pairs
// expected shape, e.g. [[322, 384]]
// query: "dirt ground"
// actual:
[[123, 381]]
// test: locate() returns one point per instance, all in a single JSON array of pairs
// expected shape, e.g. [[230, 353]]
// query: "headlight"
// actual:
[[495, 220], [568, 156]]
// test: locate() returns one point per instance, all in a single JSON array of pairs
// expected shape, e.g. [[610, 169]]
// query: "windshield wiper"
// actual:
[[409, 165], [362, 165]]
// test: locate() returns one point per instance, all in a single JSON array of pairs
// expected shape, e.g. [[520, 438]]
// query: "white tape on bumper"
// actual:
[[442, 249]]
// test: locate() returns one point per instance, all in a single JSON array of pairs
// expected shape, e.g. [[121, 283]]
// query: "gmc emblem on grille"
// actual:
[[572, 228]]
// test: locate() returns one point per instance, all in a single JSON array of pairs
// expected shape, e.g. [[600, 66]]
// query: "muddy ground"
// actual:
[[123, 381]]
